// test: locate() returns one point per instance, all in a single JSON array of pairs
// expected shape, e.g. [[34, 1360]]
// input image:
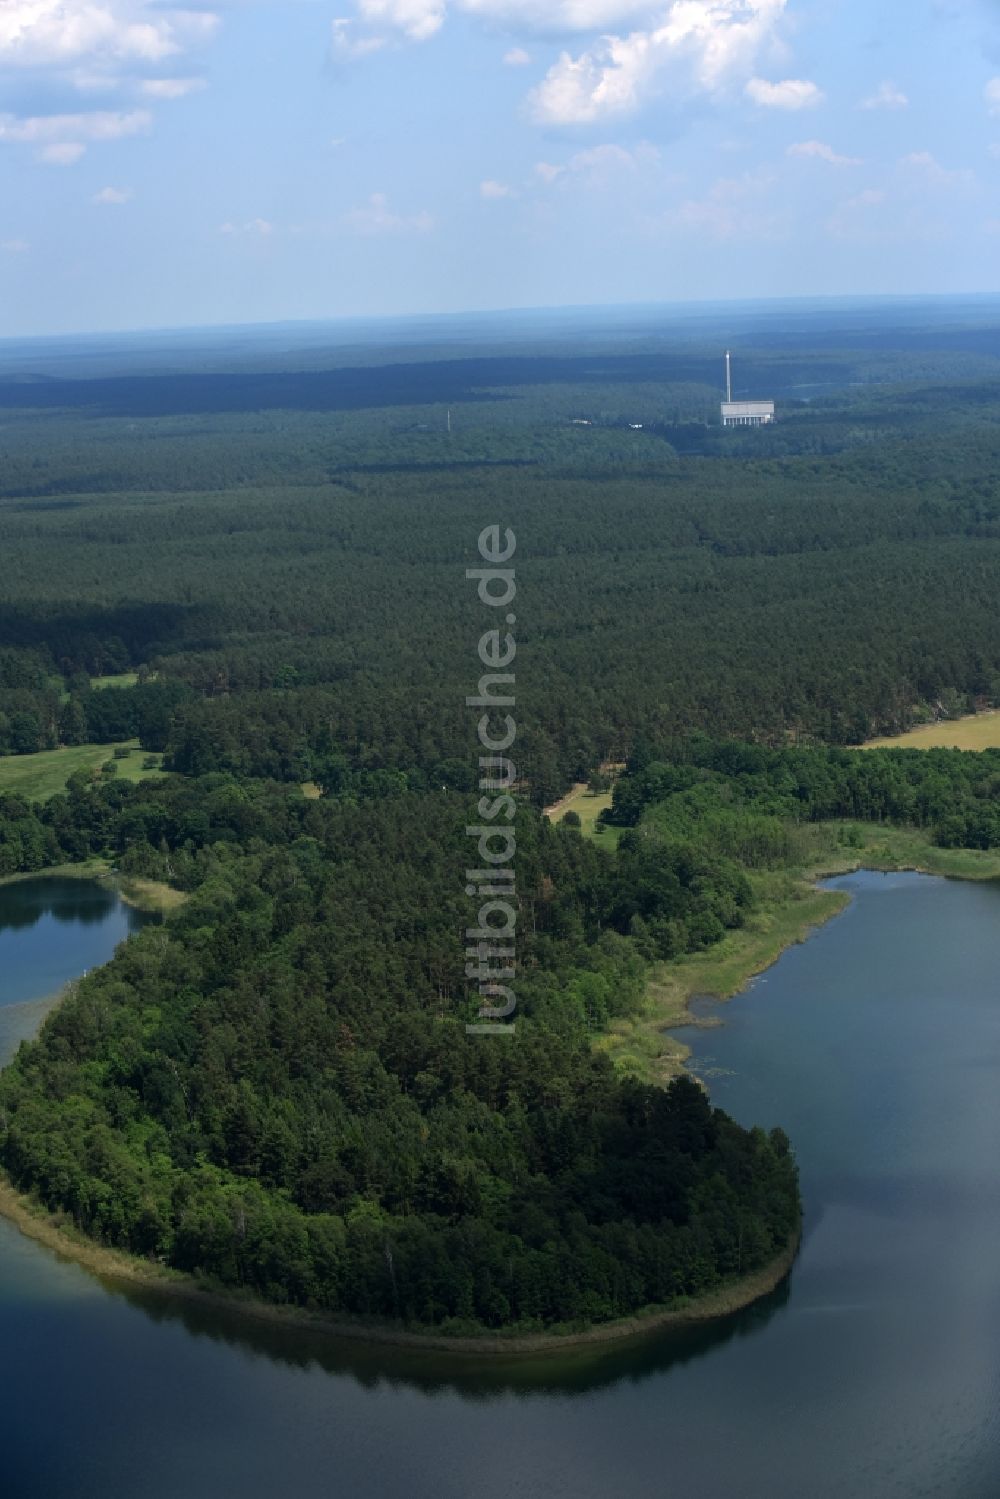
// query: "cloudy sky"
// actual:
[[250, 160]]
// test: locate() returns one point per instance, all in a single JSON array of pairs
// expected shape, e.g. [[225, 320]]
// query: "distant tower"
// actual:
[[449, 421], [743, 413]]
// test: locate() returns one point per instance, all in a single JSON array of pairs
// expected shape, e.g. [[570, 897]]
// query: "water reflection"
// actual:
[[82, 902], [872, 1373], [571, 1371], [53, 929]]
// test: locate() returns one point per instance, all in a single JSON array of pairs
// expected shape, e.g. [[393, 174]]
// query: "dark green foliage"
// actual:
[[301, 578], [277, 1090], [741, 798]]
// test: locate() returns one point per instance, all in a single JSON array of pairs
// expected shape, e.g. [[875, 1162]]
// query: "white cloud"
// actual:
[[855, 219], [109, 196], [170, 88], [14, 246], [258, 228], [61, 153], [99, 125], [701, 44], [61, 33], [822, 152], [886, 96], [601, 158], [734, 207], [418, 20], [790, 93], [517, 58], [492, 189], [94, 80], [96, 47], [992, 92], [599, 166], [348, 45], [931, 170], [558, 15], [376, 217], [869, 197]]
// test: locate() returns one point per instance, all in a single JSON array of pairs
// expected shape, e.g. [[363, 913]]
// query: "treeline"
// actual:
[[41, 716], [276, 1089], [743, 797]]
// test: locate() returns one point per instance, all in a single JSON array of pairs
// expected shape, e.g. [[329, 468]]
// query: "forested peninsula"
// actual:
[[273, 1091]]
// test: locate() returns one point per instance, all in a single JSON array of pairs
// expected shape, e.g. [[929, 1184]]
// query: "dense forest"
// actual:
[[290, 606], [275, 1088]]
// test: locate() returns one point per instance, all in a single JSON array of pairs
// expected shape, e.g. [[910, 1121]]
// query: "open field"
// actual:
[[977, 732], [37, 777], [123, 679], [588, 806]]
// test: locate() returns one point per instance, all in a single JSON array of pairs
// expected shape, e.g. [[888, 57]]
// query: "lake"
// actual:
[[52, 930], [873, 1373]]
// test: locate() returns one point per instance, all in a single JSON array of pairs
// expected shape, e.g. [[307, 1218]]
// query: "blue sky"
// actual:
[[251, 161]]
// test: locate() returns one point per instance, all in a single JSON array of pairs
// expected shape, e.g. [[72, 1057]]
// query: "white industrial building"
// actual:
[[743, 413]]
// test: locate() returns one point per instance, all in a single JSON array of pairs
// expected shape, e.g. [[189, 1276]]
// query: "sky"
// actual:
[[252, 161]]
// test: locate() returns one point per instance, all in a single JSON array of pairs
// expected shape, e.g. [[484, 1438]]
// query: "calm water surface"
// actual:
[[874, 1373]]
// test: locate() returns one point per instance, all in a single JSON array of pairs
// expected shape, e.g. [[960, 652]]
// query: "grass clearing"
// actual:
[[979, 731], [588, 806], [123, 679], [38, 777]]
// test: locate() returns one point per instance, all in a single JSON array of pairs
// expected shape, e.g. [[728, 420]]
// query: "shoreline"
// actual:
[[135, 890], [118, 1268], [115, 1267], [801, 907], [644, 1046]]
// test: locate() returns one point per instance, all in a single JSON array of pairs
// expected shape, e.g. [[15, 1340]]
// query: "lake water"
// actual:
[[51, 931], [874, 1373]]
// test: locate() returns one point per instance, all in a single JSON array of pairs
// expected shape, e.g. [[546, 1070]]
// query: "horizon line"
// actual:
[[388, 319]]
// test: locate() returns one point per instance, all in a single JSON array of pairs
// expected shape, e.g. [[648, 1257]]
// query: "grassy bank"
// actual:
[[57, 1232], [90, 869], [145, 895], [789, 906], [839, 848]]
